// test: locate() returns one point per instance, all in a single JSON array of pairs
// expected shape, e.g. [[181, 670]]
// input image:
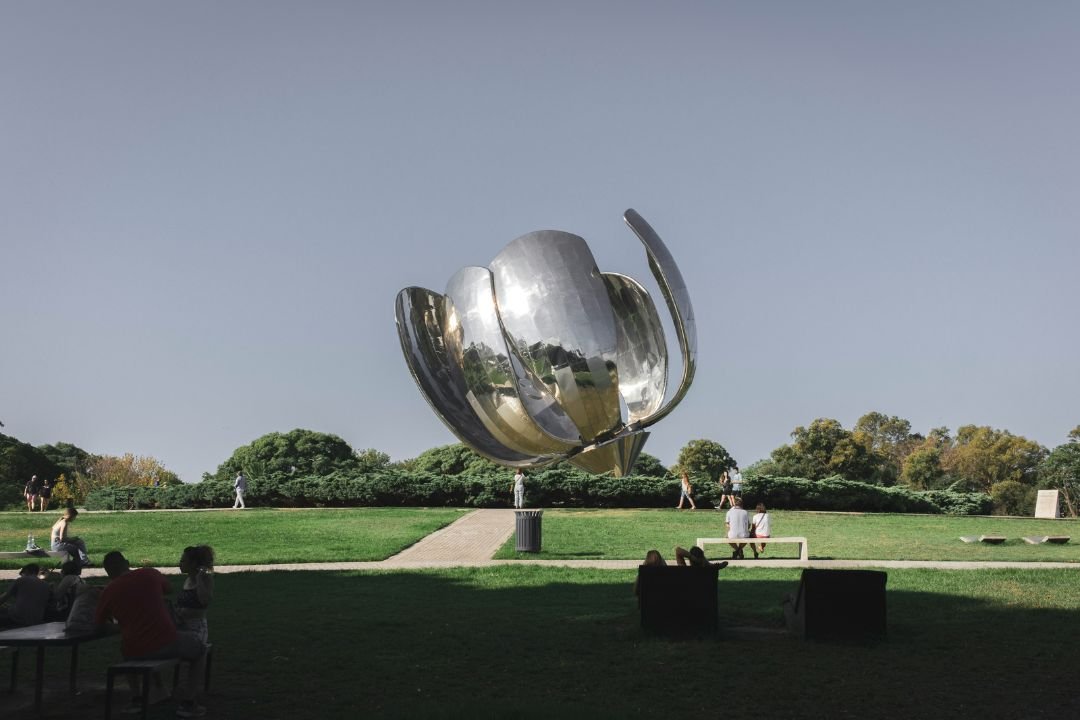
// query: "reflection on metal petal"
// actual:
[[475, 340], [534, 359], [557, 315], [618, 455], [675, 293], [642, 354], [420, 317]]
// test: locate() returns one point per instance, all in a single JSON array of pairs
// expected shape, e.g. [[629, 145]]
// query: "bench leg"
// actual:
[[73, 671], [14, 669], [110, 678], [145, 692], [40, 678]]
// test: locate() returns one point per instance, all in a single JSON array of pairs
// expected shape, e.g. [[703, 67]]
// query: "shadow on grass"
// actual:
[[557, 642]]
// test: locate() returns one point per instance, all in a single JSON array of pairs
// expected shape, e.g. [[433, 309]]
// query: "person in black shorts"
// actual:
[[33, 487], [45, 494]]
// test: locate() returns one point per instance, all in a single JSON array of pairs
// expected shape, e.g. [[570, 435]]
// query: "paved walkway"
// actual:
[[472, 541]]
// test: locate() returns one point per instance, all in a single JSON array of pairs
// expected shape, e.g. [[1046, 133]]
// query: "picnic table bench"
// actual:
[[804, 550], [44, 635]]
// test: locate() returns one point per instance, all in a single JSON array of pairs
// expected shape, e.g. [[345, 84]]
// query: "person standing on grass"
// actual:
[[736, 483], [30, 492], [64, 541], [239, 487], [686, 491], [519, 489], [45, 494], [738, 526], [135, 599], [761, 526], [725, 490]]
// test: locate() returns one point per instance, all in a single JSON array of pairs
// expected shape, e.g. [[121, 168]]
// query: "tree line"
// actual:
[[878, 450]]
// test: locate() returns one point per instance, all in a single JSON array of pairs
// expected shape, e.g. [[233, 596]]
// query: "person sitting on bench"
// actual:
[[136, 600]]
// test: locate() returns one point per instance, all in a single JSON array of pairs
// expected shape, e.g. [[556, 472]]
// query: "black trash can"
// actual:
[[527, 530]]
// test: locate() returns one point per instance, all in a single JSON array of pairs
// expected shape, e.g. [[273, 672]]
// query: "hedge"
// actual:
[[550, 488]]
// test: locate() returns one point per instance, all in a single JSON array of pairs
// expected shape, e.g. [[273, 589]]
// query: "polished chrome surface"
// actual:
[[555, 310], [475, 340], [675, 293], [642, 353], [534, 359], [420, 320]]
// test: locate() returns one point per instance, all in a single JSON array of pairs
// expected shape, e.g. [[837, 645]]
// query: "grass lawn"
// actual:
[[256, 536], [628, 534], [549, 642]]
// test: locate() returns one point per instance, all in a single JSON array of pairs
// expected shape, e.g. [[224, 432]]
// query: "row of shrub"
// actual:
[[551, 488]]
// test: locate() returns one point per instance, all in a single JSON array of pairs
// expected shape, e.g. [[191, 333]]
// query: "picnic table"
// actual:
[[52, 634]]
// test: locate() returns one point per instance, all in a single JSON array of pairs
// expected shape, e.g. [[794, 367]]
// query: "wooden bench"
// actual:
[[804, 549], [145, 669]]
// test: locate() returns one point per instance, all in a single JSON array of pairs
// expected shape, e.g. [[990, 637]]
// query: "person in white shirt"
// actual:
[[240, 487], [738, 526], [762, 527], [519, 489]]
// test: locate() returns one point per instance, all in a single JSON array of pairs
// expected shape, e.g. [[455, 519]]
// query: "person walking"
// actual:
[[45, 494], [738, 527], [736, 483], [30, 492], [239, 487], [725, 490], [519, 489], [686, 491]]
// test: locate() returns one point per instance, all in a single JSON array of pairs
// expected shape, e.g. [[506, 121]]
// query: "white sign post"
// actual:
[[1047, 505]]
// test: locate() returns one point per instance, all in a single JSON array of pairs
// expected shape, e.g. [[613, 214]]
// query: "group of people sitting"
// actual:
[[151, 627], [740, 525]]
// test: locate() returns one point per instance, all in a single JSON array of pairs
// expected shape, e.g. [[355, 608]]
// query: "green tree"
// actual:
[[70, 459], [704, 458], [1061, 471], [824, 449], [649, 466], [297, 452], [456, 459], [981, 457], [1012, 498], [922, 469], [19, 461], [371, 460], [889, 439]]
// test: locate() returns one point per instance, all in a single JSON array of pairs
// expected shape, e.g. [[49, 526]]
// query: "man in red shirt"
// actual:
[[136, 600]]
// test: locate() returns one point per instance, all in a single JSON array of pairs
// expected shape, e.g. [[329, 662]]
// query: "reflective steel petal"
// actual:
[[642, 353], [556, 312], [528, 362], [420, 318], [675, 293], [475, 340], [618, 455]]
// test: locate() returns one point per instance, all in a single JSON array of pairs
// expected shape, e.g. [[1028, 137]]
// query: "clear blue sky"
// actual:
[[207, 208]]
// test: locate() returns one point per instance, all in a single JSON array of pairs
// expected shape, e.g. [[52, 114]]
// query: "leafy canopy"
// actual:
[[705, 457]]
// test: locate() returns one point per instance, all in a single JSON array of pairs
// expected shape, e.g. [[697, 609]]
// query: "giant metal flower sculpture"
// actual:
[[542, 356]]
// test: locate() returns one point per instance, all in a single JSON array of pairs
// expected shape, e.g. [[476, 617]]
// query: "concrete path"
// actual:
[[472, 540]]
